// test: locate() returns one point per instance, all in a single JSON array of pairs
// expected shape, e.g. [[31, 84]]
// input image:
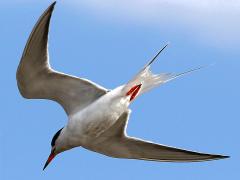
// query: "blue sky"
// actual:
[[108, 43]]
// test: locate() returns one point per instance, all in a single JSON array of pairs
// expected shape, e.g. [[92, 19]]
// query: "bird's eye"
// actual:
[[55, 137]]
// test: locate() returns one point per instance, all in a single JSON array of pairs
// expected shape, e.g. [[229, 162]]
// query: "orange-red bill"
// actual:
[[50, 158]]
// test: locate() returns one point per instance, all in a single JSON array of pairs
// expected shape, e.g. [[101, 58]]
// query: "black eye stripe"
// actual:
[[55, 137]]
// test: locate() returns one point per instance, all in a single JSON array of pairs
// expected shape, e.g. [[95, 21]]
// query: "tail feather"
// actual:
[[155, 57], [150, 80]]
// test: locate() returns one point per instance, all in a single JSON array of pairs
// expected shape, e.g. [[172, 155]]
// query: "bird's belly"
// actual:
[[88, 125], [95, 127], [86, 131]]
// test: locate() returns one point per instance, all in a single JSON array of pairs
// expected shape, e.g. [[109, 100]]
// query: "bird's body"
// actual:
[[86, 126], [97, 117]]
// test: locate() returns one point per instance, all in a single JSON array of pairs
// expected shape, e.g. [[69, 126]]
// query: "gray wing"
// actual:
[[36, 79], [121, 146]]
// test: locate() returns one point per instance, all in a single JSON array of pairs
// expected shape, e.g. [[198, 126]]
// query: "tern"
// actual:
[[97, 117]]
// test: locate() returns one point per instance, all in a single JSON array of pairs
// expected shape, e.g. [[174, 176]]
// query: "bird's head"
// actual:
[[56, 148]]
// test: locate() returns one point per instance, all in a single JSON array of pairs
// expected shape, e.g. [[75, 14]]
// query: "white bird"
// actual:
[[97, 117]]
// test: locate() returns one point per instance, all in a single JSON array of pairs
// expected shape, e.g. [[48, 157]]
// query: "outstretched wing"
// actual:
[[36, 79], [121, 146]]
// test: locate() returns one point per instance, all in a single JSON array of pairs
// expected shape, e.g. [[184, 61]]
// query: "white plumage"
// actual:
[[97, 117]]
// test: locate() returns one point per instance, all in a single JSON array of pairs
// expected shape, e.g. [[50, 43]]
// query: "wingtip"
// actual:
[[48, 11], [51, 7], [224, 157], [53, 4], [216, 157]]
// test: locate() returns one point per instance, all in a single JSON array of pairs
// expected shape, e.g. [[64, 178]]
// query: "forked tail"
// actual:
[[148, 80]]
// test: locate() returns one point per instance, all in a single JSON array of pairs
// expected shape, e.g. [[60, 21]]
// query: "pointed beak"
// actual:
[[50, 158], [133, 91]]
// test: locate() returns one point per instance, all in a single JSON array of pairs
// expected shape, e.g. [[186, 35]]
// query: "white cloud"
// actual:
[[215, 21]]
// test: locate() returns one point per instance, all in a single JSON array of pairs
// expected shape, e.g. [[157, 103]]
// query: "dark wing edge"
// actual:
[[36, 79], [144, 150], [120, 145]]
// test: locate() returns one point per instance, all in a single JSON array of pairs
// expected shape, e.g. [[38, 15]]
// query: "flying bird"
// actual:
[[97, 117]]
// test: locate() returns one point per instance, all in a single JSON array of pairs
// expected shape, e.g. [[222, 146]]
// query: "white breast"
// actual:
[[89, 123]]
